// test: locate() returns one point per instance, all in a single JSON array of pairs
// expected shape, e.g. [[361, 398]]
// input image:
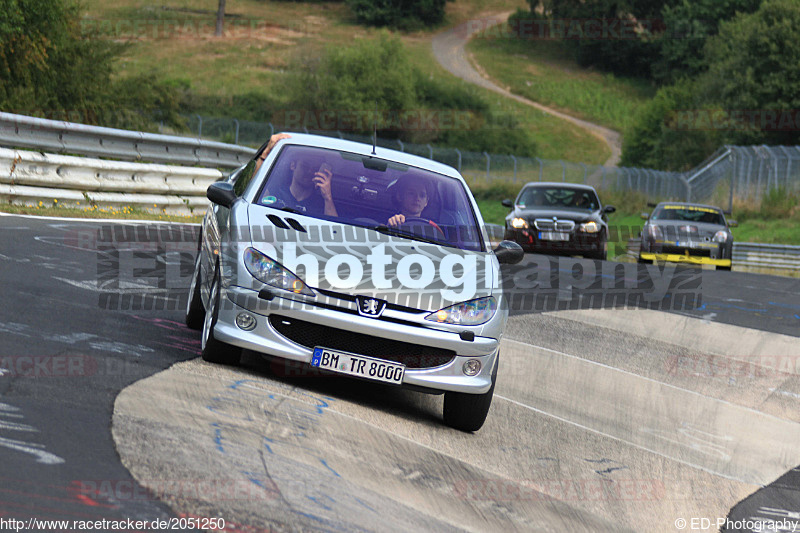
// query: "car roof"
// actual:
[[561, 184], [333, 143]]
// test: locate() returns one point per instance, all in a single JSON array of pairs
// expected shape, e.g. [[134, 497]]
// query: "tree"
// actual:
[[754, 70], [220, 18]]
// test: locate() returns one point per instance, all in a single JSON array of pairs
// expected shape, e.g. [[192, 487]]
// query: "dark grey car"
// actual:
[[687, 233]]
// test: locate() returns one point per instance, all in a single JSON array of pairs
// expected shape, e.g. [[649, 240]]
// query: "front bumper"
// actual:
[[267, 340], [578, 243], [685, 258]]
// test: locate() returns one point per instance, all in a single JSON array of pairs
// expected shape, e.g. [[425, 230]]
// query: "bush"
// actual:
[[402, 14]]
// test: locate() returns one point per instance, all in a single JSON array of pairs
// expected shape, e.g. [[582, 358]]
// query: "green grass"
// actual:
[[543, 72]]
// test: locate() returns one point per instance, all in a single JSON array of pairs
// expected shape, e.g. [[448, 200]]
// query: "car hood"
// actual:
[[675, 228], [561, 214], [341, 261]]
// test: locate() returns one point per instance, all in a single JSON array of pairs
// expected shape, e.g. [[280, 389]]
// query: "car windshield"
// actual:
[[686, 213], [371, 192], [558, 197]]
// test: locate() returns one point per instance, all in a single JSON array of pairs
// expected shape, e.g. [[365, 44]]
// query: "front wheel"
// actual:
[[727, 268], [467, 412], [215, 351]]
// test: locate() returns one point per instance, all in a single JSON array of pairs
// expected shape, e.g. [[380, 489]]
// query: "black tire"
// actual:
[[467, 412], [215, 351], [728, 268], [601, 254], [644, 261], [195, 311]]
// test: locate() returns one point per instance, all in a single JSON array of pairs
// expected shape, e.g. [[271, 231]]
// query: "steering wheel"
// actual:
[[420, 220]]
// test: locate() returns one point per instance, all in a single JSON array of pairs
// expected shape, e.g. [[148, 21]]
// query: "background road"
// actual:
[[448, 49], [603, 419]]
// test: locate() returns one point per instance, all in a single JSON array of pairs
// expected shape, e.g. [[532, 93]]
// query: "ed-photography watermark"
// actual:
[[151, 268]]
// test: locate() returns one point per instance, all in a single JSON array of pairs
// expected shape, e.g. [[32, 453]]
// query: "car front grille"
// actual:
[[548, 224], [312, 335]]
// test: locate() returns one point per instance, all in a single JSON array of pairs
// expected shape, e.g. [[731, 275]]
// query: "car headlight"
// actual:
[[268, 271], [519, 223], [653, 231], [720, 236], [589, 227], [471, 313]]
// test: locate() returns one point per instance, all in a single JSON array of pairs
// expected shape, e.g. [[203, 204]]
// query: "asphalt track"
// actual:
[[604, 419]]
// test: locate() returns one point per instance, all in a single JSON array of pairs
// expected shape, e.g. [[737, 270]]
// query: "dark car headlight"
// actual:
[[519, 223], [268, 271], [720, 236]]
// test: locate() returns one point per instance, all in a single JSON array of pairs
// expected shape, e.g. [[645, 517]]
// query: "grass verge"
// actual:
[[125, 213]]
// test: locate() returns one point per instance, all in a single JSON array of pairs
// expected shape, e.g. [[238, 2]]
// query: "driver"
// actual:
[[411, 198]]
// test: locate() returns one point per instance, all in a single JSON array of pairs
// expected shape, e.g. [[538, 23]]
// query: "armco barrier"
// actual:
[[32, 177], [95, 141]]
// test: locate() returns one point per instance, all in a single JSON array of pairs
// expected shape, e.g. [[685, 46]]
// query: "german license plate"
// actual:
[[358, 365], [553, 236]]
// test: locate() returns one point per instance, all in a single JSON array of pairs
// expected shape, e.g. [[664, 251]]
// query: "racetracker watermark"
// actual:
[[385, 119], [733, 366], [734, 120], [576, 29], [151, 268], [257, 489], [74, 366], [192, 28], [503, 490]]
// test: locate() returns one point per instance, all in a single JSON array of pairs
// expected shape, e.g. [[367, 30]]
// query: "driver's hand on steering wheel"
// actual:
[[397, 219]]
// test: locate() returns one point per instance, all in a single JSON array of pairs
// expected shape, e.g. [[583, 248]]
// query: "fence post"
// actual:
[[430, 151], [339, 133], [541, 168], [488, 164], [584, 172], [236, 135], [402, 148], [515, 168], [271, 129], [459, 158], [603, 178], [199, 127]]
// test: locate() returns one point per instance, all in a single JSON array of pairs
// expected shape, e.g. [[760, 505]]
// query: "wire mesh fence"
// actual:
[[744, 172]]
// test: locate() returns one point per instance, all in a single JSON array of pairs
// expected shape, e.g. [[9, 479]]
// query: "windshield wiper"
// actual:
[[388, 230]]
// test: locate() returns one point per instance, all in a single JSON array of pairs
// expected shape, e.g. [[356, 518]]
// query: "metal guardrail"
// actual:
[[751, 255], [95, 141], [780, 256]]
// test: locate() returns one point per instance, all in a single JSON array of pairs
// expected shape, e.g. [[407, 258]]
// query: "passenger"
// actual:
[[310, 189]]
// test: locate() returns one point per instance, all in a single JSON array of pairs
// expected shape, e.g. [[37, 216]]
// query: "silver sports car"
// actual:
[[355, 260]]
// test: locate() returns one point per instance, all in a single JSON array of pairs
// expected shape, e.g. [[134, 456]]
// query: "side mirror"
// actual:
[[508, 203], [221, 193], [509, 253], [645, 216], [610, 209], [732, 223]]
